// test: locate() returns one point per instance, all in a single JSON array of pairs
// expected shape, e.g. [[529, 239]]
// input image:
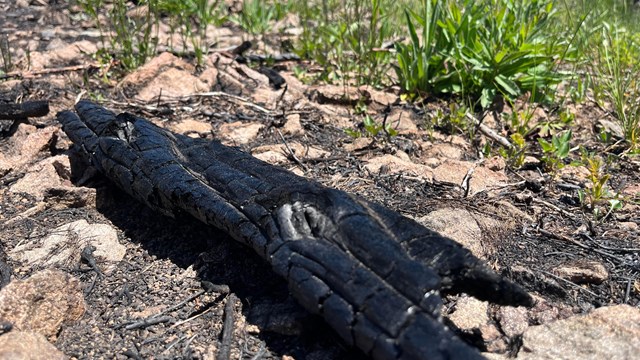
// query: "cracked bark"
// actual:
[[372, 274]]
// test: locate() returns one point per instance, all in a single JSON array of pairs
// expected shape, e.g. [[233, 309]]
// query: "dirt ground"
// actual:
[[526, 225]]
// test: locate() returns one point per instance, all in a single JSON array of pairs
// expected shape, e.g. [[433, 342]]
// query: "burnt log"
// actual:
[[374, 275], [24, 110]]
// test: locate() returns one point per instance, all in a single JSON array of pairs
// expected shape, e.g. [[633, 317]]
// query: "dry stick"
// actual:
[[569, 282], [564, 212], [234, 97], [293, 154], [487, 131], [35, 73], [227, 332], [148, 322], [577, 243]]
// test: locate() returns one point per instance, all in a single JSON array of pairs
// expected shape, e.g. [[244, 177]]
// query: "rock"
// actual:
[[69, 197], [403, 121], [389, 164], [337, 95], [357, 144], [606, 333], [607, 126], [495, 163], [29, 346], [293, 126], [454, 171], [25, 146], [513, 320], [191, 127], [63, 55], [493, 339], [63, 247], [278, 154], [469, 314], [459, 225], [239, 133], [544, 312], [442, 150], [42, 176], [583, 272], [164, 85], [42, 303], [154, 67]]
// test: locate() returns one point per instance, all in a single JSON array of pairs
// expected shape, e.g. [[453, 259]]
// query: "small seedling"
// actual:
[[556, 151]]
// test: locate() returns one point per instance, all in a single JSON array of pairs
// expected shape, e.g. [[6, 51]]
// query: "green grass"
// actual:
[[474, 54]]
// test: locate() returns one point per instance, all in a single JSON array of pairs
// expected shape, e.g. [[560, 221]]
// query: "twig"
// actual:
[[548, 204], [466, 186], [35, 73], [293, 154], [191, 318], [487, 131], [227, 332], [233, 97], [260, 352], [577, 243], [627, 291], [148, 322], [570, 283]]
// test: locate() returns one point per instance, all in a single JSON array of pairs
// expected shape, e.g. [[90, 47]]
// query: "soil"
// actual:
[[167, 260]]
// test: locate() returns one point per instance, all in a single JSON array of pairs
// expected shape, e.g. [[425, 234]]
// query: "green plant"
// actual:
[[617, 68], [192, 19], [132, 37], [5, 53], [597, 196], [480, 49], [371, 128], [256, 16], [515, 155], [554, 152], [345, 38]]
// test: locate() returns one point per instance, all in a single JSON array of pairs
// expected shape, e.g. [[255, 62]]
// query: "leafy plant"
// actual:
[[372, 129], [345, 38], [132, 38], [5, 54], [556, 151], [192, 19], [617, 67], [597, 196], [516, 154], [256, 16], [479, 49]]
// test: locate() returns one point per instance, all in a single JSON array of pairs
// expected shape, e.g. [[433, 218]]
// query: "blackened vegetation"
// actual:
[[374, 275]]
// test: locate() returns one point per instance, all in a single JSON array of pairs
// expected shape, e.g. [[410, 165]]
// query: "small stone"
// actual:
[[239, 133], [357, 144], [42, 302], [28, 345], [443, 150], [459, 225], [513, 320], [63, 246], [190, 126], [395, 165], [470, 313], [293, 126], [495, 163], [583, 272]]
